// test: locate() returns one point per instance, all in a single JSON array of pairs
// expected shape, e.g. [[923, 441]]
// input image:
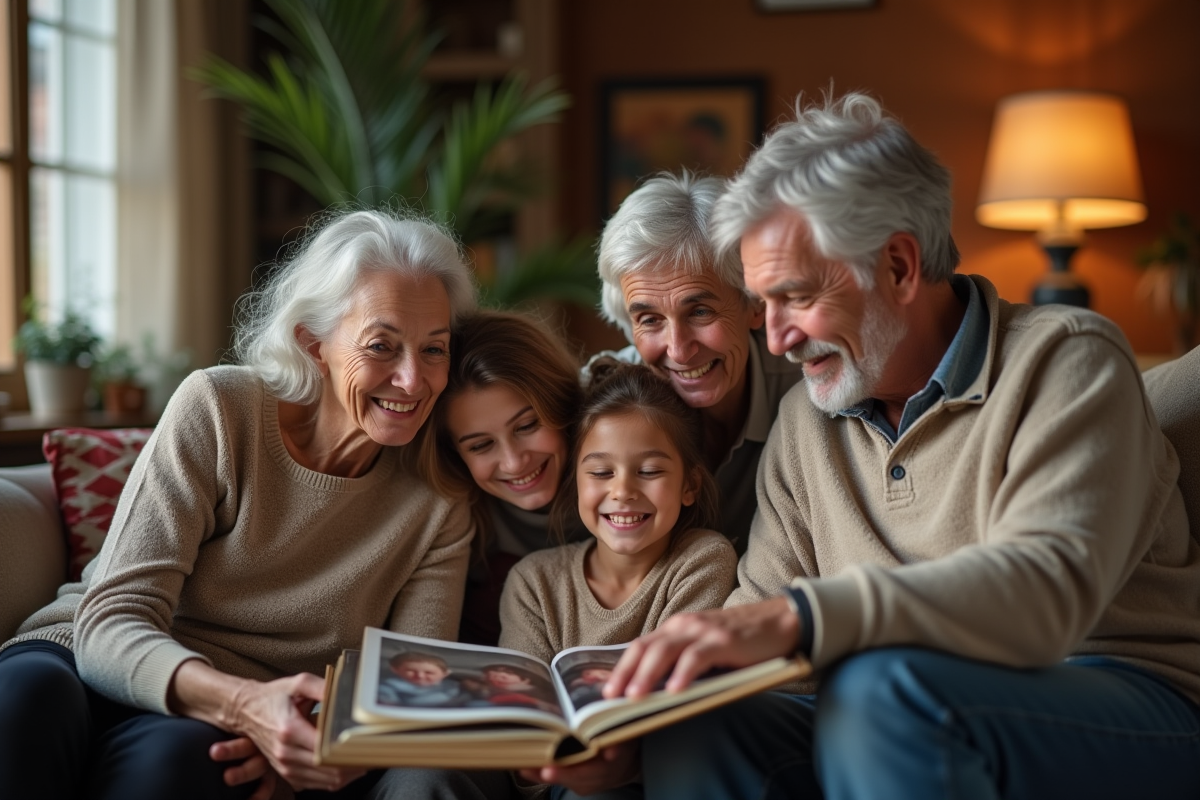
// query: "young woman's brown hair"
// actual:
[[497, 348], [616, 389]]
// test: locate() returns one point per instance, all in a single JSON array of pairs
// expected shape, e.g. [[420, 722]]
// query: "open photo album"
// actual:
[[405, 701]]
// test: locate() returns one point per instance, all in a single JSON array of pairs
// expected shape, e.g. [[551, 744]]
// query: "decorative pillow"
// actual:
[[90, 467]]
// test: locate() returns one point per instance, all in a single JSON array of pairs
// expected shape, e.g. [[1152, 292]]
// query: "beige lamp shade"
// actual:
[[1060, 162]]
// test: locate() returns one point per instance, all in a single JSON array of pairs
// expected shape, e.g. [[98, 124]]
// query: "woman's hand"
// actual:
[[614, 766], [274, 716], [253, 766]]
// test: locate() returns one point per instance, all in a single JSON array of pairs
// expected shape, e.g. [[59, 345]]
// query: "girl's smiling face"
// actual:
[[631, 483], [511, 455]]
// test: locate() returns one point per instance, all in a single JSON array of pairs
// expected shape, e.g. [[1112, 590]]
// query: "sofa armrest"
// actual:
[[33, 549], [38, 480]]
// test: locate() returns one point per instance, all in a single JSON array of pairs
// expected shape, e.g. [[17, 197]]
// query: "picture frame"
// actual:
[[811, 5], [706, 125]]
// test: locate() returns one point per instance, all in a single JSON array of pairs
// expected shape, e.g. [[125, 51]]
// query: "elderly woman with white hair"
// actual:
[[685, 311], [273, 514]]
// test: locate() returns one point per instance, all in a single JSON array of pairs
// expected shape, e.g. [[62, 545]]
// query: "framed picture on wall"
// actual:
[[810, 5], [646, 126]]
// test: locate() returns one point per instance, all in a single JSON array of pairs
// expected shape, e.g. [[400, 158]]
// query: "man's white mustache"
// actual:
[[811, 349]]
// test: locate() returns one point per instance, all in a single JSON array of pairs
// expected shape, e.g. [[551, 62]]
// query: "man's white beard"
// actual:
[[852, 381]]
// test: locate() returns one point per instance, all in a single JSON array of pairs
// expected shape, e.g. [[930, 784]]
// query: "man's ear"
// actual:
[[758, 312], [901, 262], [312, 346]]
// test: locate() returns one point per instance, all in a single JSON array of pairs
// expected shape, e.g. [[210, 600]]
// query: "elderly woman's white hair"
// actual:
[[314, 290], [857, 176], [662, 226]]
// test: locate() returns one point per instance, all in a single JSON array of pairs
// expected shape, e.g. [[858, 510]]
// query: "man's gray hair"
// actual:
[[662, 225], [857, 177], [315, 290]]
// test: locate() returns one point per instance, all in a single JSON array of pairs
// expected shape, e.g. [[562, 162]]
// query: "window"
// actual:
[[73, 155], [58, 159]]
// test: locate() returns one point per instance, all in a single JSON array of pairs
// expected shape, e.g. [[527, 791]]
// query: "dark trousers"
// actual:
[[61, 740]]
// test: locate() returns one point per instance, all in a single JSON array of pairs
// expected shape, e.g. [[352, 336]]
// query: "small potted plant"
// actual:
[[1172, 279], [58, 360], [117, 376]]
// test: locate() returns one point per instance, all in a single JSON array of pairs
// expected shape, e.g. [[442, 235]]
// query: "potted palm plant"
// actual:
[[58, 359], [1171, 281], [348, 118]]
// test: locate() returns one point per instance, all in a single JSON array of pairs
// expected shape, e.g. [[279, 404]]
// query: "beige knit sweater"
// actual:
[[547, 605], [223, 548], [1037, 514]]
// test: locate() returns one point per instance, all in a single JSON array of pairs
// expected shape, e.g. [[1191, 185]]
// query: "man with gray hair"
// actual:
[[685, 311], [969, 508]]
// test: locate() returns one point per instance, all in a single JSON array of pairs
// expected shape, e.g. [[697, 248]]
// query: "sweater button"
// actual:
[[897, 473]]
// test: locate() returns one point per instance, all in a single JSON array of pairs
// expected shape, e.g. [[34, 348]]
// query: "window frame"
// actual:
[[11, 377]]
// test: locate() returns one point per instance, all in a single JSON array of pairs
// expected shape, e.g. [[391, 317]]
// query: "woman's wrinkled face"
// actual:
[[510, 452], [389, 358]]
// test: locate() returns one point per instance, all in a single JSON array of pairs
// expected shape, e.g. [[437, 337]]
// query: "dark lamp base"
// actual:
[[1059, 285], [1067, 293]]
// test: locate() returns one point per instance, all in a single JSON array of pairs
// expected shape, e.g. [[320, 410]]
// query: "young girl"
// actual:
[[500, 444], [641, 489]]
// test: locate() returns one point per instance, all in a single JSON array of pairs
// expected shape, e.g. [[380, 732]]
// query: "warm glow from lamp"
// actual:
[[1060, 162]]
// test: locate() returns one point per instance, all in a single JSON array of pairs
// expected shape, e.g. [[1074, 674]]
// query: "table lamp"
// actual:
[[1059, 162]]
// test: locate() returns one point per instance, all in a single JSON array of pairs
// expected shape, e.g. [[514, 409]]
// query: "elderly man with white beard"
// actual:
[[968, 518]]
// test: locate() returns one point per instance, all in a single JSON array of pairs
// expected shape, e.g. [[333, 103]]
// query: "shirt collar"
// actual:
[[968, 350]]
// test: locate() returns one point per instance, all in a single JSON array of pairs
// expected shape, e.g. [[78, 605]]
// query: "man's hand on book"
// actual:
[[614, 766], [688, 645]]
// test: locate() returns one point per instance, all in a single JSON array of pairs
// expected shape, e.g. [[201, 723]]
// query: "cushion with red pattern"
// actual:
[[90, 468]]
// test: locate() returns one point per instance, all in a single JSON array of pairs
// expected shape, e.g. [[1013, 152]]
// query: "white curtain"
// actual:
[[184, 251]]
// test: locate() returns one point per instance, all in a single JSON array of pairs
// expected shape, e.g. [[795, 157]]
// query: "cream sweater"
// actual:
[[223, 548], [1036, 515], [547, 605]]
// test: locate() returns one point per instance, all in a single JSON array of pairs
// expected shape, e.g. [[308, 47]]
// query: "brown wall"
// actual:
[[940, 65]]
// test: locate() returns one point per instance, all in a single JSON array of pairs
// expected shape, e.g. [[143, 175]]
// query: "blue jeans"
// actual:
[[912, 723], [60, 740]]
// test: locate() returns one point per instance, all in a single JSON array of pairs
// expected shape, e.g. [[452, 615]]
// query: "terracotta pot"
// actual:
[[56, 389], [121, 399]]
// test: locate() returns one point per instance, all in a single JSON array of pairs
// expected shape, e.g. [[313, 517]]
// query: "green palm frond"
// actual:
[[292, 116], [348, 117], [556, 272], [459, 177]]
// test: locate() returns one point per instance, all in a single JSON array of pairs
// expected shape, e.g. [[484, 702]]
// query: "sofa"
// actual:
[[34, 552], [33, 545]]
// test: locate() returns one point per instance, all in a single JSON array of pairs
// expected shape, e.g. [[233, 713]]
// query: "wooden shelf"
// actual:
[[21, 433], [467, 65]]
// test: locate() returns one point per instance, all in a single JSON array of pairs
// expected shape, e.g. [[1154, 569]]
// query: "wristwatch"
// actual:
[[802, 608]]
